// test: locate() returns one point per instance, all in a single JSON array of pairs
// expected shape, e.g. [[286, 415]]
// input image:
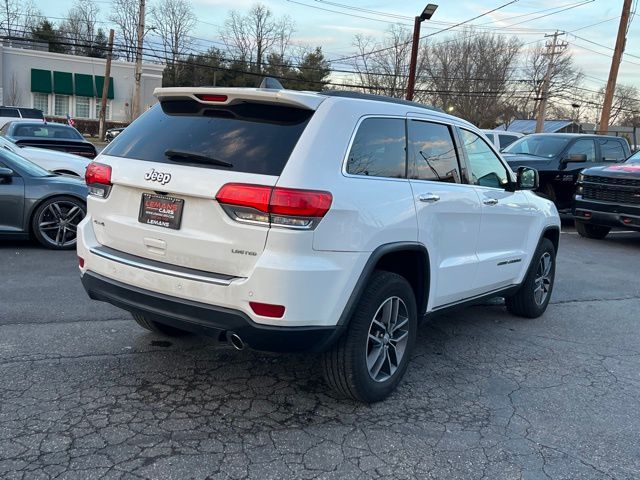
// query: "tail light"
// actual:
[[286, 207], [98, 179]]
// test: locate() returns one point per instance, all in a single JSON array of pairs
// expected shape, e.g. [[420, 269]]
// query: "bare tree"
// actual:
[[125, 14], [383, 67], [252, 36], [564, 79], [18, 17], [80, 26], [173, 20], [14, 95], [625, 106], [470, 74]]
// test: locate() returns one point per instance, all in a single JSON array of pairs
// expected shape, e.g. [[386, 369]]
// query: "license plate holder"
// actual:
[[161, 210]]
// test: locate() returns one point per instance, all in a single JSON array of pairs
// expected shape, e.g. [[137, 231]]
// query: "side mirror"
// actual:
[[5, 172], [576, 157], [527, 179]]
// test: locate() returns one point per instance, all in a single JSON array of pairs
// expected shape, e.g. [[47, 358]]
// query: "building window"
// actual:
[[107, 111], [83, 107], [41, 102], [61, 105]]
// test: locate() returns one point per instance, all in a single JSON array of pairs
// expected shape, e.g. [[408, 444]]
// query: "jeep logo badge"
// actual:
[[159, 177]]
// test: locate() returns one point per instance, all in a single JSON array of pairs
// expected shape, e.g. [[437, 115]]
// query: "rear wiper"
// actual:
[[174, 155]]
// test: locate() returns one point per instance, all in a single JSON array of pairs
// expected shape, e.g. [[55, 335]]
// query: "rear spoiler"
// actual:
[[230, 96]]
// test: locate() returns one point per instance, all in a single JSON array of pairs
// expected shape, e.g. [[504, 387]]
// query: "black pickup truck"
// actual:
[[606, 197], [560, 157]]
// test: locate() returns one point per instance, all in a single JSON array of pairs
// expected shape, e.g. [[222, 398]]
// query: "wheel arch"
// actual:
[[408, 259]]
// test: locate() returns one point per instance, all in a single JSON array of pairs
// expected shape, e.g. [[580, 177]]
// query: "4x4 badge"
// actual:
[[160, 177]]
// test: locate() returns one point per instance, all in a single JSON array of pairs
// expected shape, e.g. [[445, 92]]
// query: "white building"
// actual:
[[60, 84]]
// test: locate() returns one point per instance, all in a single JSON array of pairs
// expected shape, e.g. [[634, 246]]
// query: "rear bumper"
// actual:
[[606, 214], [207, 319]]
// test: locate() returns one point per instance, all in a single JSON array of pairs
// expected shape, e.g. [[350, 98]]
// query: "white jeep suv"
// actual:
[[328, 222]]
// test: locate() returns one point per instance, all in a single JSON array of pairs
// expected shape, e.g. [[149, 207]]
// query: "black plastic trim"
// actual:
[[366, 273], [206, 319]]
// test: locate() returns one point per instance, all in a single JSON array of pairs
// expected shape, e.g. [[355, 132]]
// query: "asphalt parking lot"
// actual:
[[85, 393]]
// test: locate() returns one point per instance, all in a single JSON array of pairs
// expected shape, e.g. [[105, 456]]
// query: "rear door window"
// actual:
[[251, 137], [432, 152], [9, 112], [506, 140], [379, 149], [611, 150]]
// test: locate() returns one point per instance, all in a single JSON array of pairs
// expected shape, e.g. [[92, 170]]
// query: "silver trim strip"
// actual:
[[149, 266]]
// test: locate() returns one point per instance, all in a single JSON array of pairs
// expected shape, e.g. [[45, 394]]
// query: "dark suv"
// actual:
[[608, 197], [560, 157]]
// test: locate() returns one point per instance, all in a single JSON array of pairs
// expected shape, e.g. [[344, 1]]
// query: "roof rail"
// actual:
[[377, 98]]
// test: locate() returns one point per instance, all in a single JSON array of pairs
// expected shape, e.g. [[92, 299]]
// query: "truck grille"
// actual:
[[609, 195], [630, 182]]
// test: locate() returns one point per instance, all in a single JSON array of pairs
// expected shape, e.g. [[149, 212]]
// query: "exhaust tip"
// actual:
[[235, 341]]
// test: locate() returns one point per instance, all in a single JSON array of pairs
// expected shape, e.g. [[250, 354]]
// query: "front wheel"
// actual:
[[533, 296], [597, 232], [371, 357]]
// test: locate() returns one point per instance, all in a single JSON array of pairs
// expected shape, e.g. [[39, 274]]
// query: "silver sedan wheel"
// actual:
[[542, 282], [387, 339], [58, 223]]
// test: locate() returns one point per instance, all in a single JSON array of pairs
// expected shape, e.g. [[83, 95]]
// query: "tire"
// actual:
[[55, 222], [158, 327], [533, 296], [597, 232], [345, 366]]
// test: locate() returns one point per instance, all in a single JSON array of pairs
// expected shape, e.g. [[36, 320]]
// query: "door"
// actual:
[[11, 202], [448, 211], [507, 220], [565, 181]]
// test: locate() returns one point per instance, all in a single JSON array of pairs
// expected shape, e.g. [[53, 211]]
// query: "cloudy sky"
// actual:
[[332, 24]]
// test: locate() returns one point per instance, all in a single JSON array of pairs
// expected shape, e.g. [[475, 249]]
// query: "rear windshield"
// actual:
[[31, 113], [247, 137], [46, 130]]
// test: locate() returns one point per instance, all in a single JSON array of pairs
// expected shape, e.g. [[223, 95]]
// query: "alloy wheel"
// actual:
[[387, 340], [58, 223], [542, 282]]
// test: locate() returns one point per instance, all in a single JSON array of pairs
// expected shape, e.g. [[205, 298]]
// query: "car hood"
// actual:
[[517, 160], [619, 170]]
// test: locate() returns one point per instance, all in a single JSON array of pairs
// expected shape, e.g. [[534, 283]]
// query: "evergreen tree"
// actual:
[[46, 32], [99, 46], [313, 71]]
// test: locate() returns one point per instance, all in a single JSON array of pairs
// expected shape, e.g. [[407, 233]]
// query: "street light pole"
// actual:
[[426, 14]]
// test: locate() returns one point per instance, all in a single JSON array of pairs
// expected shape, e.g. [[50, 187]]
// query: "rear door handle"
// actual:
[[490, 201], [429, 197]]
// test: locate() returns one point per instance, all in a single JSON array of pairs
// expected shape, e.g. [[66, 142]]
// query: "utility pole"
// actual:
[[615, 66], [554, 48], [138, 71], [105, 87]]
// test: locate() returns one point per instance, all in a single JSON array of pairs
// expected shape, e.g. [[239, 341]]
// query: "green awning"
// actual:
[[41, 81], [62, 83], [100, 86], [84, 85]]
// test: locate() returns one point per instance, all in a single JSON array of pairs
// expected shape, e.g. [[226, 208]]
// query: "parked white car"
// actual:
[[330, 222], [52, 160], [10, 114], [502, 139]]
